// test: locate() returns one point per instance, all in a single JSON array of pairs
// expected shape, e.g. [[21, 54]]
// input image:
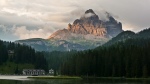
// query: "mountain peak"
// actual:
[[85, 33], [89, 11], [90, 24]]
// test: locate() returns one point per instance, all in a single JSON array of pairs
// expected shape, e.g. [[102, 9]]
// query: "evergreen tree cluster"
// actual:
[[56, 58], [128, 58], [3, 53], [21, 54], [126, 55]]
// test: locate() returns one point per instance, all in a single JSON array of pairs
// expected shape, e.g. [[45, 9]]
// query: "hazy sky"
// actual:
[[22, 19]]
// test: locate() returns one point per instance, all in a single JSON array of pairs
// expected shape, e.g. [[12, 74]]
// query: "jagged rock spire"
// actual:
[[89, 11]]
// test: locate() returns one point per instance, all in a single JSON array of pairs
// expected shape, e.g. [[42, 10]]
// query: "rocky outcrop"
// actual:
[[63, 34], [90, 23], [113, 27]]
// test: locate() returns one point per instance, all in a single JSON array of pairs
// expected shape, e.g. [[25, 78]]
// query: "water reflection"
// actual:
[[53, 81], [85, 81]]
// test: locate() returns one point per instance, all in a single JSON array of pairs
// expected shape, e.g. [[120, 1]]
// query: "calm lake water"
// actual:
[[14, 80]]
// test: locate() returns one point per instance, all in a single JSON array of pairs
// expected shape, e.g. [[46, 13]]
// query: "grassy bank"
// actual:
[[116, 78], [75, 77], [54, 77], [102, 77], [11, 67], [137, 78]]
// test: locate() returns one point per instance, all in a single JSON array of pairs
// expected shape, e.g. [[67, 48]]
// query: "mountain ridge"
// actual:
[[126, 35], [85, 33]]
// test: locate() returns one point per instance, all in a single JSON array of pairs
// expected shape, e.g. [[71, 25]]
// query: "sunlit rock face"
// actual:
[[90, 23]]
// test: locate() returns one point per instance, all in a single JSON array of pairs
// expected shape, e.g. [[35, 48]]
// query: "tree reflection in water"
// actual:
[[65, 81]]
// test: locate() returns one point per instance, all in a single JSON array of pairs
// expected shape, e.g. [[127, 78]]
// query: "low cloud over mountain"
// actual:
[[36, 14]]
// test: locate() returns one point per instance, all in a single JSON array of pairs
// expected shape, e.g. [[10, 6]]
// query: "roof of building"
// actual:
[[11, 51], [51, 70], [33, 70]]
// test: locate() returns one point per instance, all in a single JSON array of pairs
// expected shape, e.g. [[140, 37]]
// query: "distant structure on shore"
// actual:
[[37, 72], [33, 72], [51, 72], [11, 53]]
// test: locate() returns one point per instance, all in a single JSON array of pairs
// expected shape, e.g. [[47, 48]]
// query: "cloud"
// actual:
[[6, 33], [23, 33], [135, 13], [102, 15], [3, 3], [33, 15], [12, 33], [88, 15], [77, 12]]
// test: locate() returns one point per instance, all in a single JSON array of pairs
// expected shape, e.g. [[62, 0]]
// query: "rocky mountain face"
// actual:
[[85, 33], [90, 23]]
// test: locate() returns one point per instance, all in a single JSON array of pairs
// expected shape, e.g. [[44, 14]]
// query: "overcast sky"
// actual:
[[23, 19]]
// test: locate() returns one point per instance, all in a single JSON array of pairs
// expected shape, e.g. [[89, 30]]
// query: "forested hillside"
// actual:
[[15, 57], [128, 35], [128, 57]]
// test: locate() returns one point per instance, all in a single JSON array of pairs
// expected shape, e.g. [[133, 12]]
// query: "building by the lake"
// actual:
[[51, 72], [11, 53], [33, 72]]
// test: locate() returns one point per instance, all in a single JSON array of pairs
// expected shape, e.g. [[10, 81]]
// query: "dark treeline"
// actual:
[[129, 58], [55, 59], [126, 55], [21, 54]]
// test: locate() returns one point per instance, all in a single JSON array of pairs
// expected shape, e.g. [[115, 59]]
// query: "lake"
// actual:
[[24, 80]]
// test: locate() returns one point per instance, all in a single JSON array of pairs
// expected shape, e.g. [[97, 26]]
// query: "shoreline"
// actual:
[[23, 77], [78, 77], [13, 77], [54, 77], [116, 78]]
